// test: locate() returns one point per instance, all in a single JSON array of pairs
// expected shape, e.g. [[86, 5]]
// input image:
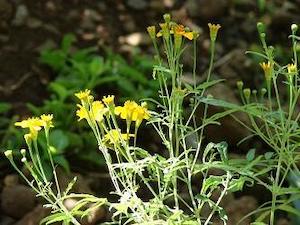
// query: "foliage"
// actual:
[[274, 117], [134, 170]]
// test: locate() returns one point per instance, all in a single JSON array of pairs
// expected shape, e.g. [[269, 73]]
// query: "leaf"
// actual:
[[4, 107], [251, 154], [258, 223], [268, 155], [59, 140], [96, 66], [61, 161], [67, 42]]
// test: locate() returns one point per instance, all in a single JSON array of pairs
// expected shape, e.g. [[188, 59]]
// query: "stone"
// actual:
[[137, 4], [5, 220], [6, 10], [206, 9], [35, 216], [135, 39], [21, 15], [17, 200]]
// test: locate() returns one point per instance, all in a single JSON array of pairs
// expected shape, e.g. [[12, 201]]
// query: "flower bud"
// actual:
[[152, 32], [213, 31], [167, 18], [247, 93], [8, 154], [23, 152], [260, 27], [294, 28]]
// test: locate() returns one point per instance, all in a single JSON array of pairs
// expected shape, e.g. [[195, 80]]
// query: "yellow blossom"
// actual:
[[81, 112], [126, 111], [213, 30], [140, 113], [47, 120], [97, 111], [114, 136], [151, 31], [181, 30], [292, 69], [33, 124], [8, 154], [108, 100], [84, 95], [267, 67]]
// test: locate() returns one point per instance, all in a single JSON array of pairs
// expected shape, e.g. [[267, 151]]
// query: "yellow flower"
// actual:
[[114, 136], [126, 111], [8, 154], [140, 113], [165, 30], [98, 110], [81, 112], [47, 120], [33, 124], [213, 30], [267, 67], [151, 31], [108, 100], [84, 95], [180, 30], [292, 69]]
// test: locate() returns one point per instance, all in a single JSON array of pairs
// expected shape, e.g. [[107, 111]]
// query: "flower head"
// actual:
[[126, 111], [181, 30], [292, 69], [115, 137], [151, 31], [213, 30], [8, 154], [47, 120], [97, 111], [84, 95], [34, 125], [81, 112], [140, 113], [267, 67], [108, 100]]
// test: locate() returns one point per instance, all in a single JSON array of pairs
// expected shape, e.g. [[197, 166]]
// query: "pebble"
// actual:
[[206, 9], [21, 15], [17, 200], [34, 217], [137, 4]]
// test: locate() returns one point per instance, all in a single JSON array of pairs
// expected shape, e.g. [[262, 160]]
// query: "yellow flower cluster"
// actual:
[[169, 27], [131, 111], [97, 110], [115, 137], [35, 124]]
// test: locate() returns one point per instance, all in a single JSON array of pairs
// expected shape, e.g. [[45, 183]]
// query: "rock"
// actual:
[[135, 39], [6, 10], [11, 180], [81, 186], [17, 200], [34, 23], [137, 4], [5, 220], [34, 217], [206, 9], [96, 216], [21, 15], [220, 133]]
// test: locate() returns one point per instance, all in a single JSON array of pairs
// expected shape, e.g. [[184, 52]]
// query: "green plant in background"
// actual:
[[163, 176], [133, 169], [81, 69], [274, 117]]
